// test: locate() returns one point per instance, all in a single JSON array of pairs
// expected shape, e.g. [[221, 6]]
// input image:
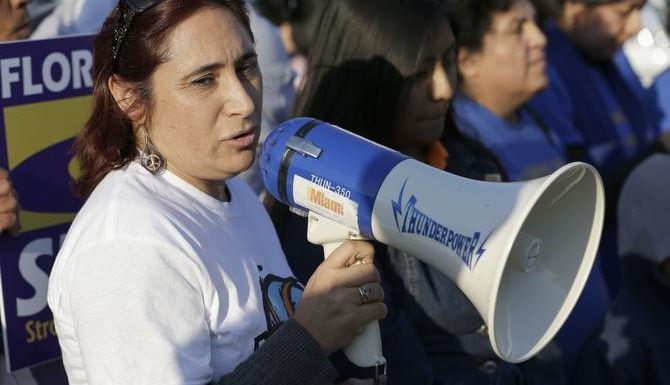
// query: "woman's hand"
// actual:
[[332, 308], [9, 205]]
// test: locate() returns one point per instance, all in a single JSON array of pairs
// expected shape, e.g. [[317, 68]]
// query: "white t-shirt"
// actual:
[[160, 283]]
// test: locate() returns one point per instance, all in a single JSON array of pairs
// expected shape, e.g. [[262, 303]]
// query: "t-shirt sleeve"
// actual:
[[139, 316]]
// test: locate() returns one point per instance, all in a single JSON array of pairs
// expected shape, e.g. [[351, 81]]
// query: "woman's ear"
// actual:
[[126, 96], [466, 61]]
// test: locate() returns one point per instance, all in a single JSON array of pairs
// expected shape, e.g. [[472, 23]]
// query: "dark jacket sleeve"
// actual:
[[291, 356]]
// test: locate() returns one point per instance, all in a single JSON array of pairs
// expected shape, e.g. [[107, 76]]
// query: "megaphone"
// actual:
[[521, 252]]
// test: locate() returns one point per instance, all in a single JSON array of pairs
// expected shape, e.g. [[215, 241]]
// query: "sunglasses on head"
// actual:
[[127, 10]]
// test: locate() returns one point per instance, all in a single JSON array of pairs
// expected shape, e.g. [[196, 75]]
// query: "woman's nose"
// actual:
[[441, 87]]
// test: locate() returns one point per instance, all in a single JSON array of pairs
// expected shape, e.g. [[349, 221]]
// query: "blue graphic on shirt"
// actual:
[[280, 299]]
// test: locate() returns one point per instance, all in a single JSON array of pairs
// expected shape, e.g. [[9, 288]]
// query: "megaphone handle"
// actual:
[[365, 349]]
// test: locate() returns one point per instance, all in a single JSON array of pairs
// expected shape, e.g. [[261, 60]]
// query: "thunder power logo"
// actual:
[[410, 219]]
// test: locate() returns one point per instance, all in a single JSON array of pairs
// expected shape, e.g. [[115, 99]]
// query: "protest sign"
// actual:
[[45, 88]]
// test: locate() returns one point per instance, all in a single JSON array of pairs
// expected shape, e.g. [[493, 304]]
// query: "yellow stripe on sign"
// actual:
[[74, 168], [30, 128], [31, 220]]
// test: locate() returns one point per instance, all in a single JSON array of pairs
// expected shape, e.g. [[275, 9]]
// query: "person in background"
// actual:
[[594, 108], [660, 87], [14, 20], [298, 22], [491, 135], [14, 25], [385, 71], [588, 103], [501, 65], [278, 89], [647, 53], [631, 345], [72, 17], [171, 271]]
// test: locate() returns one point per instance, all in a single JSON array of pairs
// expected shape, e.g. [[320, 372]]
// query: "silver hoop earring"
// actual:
[[150, 158]]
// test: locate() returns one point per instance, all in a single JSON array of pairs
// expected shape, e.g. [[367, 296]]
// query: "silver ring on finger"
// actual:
[[366, 294]]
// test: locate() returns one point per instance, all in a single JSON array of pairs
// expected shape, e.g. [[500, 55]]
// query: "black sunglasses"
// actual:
[[127, 10]]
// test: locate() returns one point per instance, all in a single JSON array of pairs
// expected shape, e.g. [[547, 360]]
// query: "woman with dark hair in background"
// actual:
[[501, 66], [383, 70], [171, 272]]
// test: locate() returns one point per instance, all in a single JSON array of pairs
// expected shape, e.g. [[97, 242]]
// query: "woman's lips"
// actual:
[[244, 139]]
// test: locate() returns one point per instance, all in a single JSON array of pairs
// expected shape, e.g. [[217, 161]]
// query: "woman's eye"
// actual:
[[626, 12], [248, 69], [204, 80], [519, 28]]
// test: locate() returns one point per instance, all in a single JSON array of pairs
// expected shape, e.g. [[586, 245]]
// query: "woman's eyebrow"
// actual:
[[216, 65]]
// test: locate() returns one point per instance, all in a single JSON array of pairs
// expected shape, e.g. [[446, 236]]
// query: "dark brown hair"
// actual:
[[363, 60], [471, 19], [107, 140]]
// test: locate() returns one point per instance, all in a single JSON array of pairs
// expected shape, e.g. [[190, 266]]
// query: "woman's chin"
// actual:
[[245, 162]]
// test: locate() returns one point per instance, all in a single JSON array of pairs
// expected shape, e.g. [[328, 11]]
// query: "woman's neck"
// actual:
[[217, 189]]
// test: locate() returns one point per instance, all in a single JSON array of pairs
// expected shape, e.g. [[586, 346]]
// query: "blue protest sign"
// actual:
[[45, 89]]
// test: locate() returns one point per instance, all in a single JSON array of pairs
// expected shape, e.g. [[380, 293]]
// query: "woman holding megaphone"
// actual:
[[172, 272]]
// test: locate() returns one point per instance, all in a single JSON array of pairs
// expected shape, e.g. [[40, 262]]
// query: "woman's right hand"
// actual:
[[331, 308]]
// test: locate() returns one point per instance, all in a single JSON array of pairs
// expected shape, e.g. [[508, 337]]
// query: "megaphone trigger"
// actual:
[[365, 350]]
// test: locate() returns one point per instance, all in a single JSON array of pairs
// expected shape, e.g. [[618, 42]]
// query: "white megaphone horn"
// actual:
[[521, 252]]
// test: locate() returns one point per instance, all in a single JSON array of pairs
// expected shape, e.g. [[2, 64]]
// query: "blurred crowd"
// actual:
[[494, 90]]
